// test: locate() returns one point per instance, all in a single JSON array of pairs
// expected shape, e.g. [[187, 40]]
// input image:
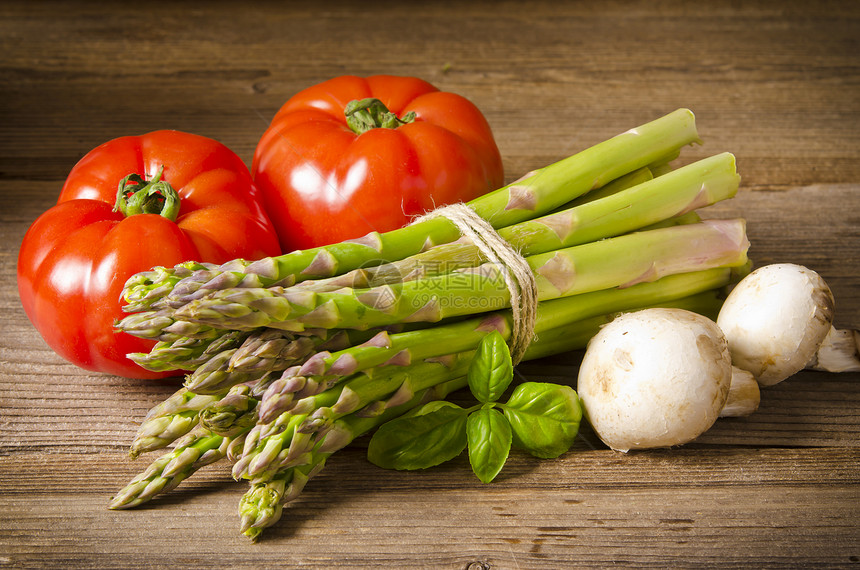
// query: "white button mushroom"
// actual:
[[654, 378], [775, 319]]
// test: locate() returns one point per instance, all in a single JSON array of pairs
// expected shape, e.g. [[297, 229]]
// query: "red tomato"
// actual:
[[77, 256], [323, 182]]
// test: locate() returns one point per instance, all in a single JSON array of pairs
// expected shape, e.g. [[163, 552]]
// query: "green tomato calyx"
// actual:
[[139, 195], [363, 115]]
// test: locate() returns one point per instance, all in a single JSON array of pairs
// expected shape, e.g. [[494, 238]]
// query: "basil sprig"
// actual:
[[539, 417]]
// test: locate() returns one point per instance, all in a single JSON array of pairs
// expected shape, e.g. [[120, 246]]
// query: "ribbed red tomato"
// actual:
[[353, 155], [77, 256]]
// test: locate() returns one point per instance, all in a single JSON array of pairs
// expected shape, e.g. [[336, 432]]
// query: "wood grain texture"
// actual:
[[776, 83], [588, 508]]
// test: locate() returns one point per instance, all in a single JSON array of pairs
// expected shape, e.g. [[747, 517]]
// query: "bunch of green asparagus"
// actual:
[[291, 358]]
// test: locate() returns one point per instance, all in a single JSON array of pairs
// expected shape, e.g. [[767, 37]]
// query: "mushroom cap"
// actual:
[[775, 319], [654, 378]]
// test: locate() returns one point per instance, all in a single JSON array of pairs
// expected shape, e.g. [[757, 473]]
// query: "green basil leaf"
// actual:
[[428, 408], [544, 418], [491, 370], [420, 441], [489, 437]]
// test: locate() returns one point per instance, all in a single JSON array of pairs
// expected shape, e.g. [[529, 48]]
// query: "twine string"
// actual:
[[516, 272]]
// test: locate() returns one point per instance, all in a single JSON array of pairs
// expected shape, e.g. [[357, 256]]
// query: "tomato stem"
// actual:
[[363, 115], [138, 195]]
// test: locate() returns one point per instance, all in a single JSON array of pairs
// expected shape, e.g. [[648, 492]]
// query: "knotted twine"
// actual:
[[515, 270]]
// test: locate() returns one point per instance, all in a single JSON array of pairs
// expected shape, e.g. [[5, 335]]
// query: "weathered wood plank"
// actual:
[[774, 83], [592, 508], [76, 72]]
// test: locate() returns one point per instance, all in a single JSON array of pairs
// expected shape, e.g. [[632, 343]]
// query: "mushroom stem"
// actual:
[[838, 352], [744, 395]]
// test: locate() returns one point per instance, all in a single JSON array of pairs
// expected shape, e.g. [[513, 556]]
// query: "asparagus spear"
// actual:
[[180, 401], [220, 434], [537, 193], [145, 289], [689, 188], [273, 349], [265, 351], [160, 324], [181, 412], [170, 424], [177, 415], [199, 448], [171, 419], [215, 376], [234, 414], [186, 353], [314, 414], [160, 432], [619, 261], [262, 505]]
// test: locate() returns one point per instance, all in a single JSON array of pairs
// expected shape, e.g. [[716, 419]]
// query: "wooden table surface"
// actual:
[[776, 83]]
